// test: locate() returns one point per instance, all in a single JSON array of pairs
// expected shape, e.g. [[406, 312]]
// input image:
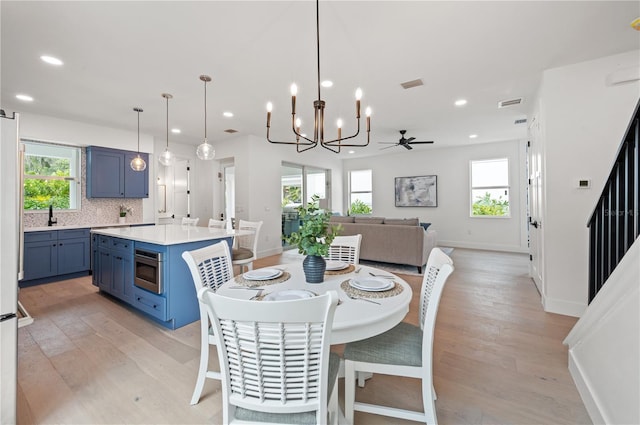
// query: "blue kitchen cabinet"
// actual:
[[115, 267], [40, 255], [55, 254], [109, 174]]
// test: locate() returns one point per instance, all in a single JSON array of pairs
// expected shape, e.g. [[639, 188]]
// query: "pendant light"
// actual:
[[166, 158], [137, 163], [205, 151]]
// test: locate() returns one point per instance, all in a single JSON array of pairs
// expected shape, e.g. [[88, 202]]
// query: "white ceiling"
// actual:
[[122, 54]]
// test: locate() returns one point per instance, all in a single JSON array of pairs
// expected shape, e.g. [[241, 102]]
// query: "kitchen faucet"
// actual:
[[52, 220]]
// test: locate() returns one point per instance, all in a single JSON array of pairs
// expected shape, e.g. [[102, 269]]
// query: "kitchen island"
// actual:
[[143, 267]]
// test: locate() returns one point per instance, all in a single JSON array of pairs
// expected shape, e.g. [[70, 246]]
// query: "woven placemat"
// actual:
[[350, 290], [346, 270], [240, 280]]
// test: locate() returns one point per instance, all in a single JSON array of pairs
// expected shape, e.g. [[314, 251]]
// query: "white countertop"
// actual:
[[81, 226], [169, 234]]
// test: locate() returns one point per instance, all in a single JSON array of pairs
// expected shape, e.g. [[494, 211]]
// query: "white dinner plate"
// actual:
[[289, 294], [336, 265], [262, 274], [372, 284]]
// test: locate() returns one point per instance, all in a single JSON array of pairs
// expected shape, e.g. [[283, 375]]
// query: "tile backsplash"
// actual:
[[93, 212]]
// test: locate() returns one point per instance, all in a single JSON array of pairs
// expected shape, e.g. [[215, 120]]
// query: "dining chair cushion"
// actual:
[[401, 345], [241, 254], [302, 418]]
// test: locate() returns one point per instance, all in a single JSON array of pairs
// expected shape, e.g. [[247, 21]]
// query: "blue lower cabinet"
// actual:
[[115, 267], [153, 304], [56, 253]]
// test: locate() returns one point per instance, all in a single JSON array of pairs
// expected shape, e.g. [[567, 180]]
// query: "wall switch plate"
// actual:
[[584, 184]]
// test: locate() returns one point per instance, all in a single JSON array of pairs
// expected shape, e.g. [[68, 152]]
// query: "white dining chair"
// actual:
[[275, 360], [190, 221], [345, 249], [245, 247], [218, 224], [210, 267], [405, 350]]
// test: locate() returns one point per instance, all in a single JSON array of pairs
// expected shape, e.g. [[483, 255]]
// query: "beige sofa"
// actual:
[[390, 240]]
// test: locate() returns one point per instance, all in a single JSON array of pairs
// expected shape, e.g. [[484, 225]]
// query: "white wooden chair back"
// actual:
[[210, 267], [190, 221], [274, 355], [218, 224], [245, 248], [346, 249]]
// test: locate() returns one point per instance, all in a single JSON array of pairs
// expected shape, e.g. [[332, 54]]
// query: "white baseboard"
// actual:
[[566, 308], [584, 389], [483, 246], [270, 252]]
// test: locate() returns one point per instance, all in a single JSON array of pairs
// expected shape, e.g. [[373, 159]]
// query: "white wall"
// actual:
[[258, 170], [604, 347], [583, 121], [451, 217], [49, 129]]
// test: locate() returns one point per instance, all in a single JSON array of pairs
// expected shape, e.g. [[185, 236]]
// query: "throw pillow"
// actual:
[[425, 225]]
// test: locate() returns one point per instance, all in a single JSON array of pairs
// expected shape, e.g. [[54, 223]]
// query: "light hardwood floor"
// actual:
[[498, 357]]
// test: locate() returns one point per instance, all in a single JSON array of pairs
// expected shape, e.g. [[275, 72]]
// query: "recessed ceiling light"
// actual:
[[352, 151], [51, 60], [176, 130], [24, 97], [227, 114], [303, 134], [461, 102], [327, 83], [473, 136]]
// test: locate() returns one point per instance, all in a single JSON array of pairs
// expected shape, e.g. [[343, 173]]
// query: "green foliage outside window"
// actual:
[[486, 205], [359, 207], [39, 193], [291, 195]]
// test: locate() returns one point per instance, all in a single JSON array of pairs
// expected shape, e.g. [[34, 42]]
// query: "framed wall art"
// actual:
[[417, 191]]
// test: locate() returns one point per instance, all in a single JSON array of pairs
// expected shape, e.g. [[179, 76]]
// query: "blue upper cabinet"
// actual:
[[110, 176]]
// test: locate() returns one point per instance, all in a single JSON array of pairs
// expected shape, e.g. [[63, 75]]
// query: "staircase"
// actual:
[[604, 345]]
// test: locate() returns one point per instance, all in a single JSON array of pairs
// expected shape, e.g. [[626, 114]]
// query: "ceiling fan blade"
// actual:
[[422, 142], [387, 147], [387, 143], [410, 139], [408, 147]]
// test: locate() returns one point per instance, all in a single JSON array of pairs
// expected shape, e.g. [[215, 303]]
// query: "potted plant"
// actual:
[[313, 239], [123, 213]]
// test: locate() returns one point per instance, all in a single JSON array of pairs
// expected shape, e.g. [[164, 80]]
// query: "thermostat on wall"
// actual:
[[584, 184]]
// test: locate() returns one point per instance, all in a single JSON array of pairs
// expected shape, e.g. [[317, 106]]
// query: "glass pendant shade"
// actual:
[[137, 163], [166, 158], [205, 151]]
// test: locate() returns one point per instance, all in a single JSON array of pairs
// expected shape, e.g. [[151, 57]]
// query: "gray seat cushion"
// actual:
[[241, 254], [401, 345], [302, 418]]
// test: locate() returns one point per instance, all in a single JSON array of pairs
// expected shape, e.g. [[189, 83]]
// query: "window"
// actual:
[[360, 193], [51, 176], [490, 188]]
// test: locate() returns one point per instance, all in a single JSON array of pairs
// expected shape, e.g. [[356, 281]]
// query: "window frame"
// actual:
[[506, 187], [351, 191], [75, 171]]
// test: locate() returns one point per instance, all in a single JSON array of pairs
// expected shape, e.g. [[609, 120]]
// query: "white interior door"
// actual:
[[181, 205], [536, 204]]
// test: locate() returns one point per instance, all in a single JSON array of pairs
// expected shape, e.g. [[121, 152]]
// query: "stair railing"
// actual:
[[615, 222]]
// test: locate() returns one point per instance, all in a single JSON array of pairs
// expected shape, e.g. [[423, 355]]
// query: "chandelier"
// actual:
[[137, 163], [205, 151], [166, 158], [304, 143]]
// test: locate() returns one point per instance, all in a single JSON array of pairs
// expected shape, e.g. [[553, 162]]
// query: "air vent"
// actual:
[[520, 121], [412, 84], [230, 131], [510, 102]]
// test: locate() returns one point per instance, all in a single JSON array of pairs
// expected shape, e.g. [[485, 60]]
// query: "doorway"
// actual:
[[173, 192], [298, 184], [535, 206]]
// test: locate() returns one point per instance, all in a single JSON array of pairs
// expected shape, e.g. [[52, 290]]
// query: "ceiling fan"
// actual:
[[405, 142]]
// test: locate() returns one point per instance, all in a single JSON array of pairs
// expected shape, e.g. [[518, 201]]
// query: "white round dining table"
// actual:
[[354, 319]]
